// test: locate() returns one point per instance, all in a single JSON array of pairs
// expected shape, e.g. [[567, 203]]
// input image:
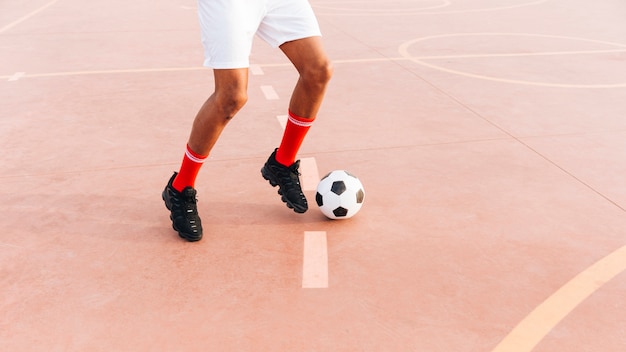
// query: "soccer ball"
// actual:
[[339, 195]]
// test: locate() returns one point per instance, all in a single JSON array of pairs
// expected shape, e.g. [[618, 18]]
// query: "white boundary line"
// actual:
[[406, 56], [269, 92], [404, 52], [530, 331], [256, 70], [315, 260], [27, 16], [282, 120], [310, 175], [16, 76]]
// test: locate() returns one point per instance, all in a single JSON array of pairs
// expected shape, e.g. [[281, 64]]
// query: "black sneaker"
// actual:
[[288, 182], [184, 214]]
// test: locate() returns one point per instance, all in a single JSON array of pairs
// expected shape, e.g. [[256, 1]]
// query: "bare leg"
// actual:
[[281, 170], [229, 97], [310, 59]]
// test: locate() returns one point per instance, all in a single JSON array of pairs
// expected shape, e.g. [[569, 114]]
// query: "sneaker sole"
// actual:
[[270, 178]]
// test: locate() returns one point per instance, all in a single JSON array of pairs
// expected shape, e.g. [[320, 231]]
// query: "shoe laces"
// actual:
[[290, 174], [186, 200]]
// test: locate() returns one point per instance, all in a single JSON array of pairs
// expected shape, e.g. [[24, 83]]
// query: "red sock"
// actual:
[[188, 170], [294, 134]]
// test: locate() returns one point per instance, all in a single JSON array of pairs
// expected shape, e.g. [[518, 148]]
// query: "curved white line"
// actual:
[[404, 52], [530, 331]]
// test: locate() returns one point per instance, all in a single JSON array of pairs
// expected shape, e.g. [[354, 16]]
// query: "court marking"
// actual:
[[113, 71], [282, 120], [315, 252], [310, 175], [315, 260], [545, 53], [404, 52], [405, 56], [2, 244], [256, 70], [174, 69], [364, 61], [16, 76], [530, 331], [269, 92], [27, 16]]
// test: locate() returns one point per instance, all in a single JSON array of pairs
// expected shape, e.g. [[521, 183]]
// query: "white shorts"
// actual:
[[228, 27]]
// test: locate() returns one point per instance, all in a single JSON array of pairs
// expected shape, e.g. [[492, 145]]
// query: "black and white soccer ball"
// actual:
[[340, 195]]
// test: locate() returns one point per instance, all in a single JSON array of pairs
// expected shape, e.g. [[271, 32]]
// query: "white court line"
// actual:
[[406, 57], [269, 92], [11, 245], [315, 263], [256, 70], [282, 120], [27, 16], [404, 51], [309, 177], [530, 331], [16, 76]]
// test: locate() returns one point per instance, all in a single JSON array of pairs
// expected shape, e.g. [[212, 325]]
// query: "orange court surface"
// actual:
[[490, 137]]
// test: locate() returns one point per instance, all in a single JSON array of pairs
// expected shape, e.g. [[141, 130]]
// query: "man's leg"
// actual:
[[310, 59], [230, 95], [179, 195], [281, 169], [315, 69]]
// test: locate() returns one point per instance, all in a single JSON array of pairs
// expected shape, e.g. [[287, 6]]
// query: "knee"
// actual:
[[318, 74], [229, 103], [325, 72]]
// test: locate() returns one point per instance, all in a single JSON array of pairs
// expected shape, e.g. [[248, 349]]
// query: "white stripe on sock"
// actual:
[[300, 123], [193, 158]]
